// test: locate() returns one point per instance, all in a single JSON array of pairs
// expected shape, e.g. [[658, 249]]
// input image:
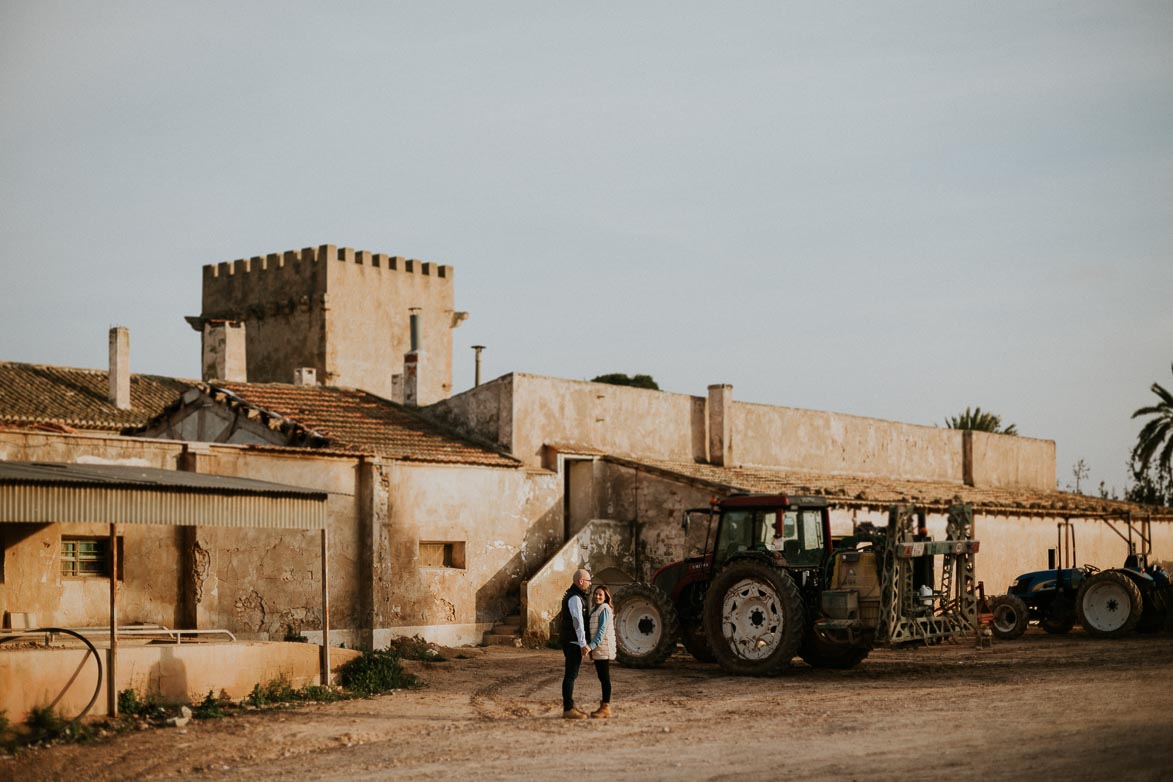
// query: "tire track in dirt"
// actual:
[[491, 703]]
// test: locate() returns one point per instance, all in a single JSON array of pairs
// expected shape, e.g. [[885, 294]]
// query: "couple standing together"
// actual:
[[584, 616]]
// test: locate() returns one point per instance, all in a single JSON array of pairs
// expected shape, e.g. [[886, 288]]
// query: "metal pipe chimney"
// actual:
[[414, 321], [478, 349]]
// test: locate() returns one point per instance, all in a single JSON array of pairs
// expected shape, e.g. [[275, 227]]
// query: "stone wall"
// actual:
[[343, 312]]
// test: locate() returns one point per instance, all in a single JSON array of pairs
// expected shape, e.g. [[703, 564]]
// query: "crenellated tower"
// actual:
[[342, 312]]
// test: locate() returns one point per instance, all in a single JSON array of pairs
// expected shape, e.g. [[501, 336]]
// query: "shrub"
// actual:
[[209, 708], [376, 672]]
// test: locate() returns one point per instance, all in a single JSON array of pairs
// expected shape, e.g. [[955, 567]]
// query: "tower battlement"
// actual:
[[343, 312], [323, 254]]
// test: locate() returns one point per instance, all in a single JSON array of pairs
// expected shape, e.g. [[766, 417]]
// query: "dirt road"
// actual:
[[1073, 708]]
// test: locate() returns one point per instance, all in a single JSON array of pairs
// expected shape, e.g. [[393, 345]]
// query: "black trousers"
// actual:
[[603, 668], [573, 654]]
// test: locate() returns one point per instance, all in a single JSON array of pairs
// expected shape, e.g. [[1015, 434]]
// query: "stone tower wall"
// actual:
[[343, 312]]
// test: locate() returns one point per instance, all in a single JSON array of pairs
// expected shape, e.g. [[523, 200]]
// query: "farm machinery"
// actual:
[[771, 584], [1107, 603]]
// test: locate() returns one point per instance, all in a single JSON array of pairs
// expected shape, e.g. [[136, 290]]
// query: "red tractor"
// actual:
[[772, 584]]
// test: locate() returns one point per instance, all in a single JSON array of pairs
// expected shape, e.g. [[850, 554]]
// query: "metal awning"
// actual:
[[114, 494], [50, 492]]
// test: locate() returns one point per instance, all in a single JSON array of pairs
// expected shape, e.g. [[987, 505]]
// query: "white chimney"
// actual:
[[305, 376], [120, 367], [224, 351]]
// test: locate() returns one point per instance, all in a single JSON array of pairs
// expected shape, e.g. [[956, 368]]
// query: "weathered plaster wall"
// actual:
[[173, 674], [1010, 462], [483, 413], [656, 506], [601, 545], [509, 522], [615, 419], [817, 441]]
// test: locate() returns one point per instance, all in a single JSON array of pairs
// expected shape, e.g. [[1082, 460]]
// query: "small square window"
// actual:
[[442, 554], [88, 557]]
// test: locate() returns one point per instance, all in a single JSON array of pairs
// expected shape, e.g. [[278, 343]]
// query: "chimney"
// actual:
[[720, 411], [413, 362], [477, 376], [120, 367], [224, 351], [305, 376]]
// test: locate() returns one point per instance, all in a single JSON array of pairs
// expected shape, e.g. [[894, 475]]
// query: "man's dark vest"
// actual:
[[566, 632]]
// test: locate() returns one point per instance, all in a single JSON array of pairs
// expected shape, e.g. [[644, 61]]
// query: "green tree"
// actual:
[[1154, 443], [980, 421], [620, 379]]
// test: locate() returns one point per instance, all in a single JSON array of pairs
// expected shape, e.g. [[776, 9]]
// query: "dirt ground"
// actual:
[[1071, 707]]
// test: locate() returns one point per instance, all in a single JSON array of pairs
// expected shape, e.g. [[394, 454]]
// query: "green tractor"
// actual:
[[771, 584]]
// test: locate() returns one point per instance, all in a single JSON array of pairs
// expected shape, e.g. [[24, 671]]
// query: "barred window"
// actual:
[[441, 554], [88, 557]]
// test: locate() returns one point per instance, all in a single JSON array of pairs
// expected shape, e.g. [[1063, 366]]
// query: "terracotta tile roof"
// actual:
[[864, 491], [352, 420], [67, 399]]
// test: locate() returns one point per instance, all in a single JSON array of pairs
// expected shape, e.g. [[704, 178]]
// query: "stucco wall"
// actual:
[[1011, 462], [615, 419], [818, 441], [509, 521], [173, 674], [483, 413]]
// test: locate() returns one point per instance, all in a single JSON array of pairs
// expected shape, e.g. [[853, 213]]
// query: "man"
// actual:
[[572, 633]]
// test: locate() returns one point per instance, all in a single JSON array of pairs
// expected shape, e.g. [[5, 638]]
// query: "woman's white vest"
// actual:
[[606, 647]]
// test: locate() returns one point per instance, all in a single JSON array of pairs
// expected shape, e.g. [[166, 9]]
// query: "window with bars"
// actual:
[[88, 557]]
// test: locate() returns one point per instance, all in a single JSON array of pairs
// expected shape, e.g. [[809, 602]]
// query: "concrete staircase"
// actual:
[[508, 633]]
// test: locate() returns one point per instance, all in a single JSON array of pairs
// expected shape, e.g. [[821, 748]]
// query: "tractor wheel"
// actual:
[[1058, 625], [754, 618], [1010, 617], [1109, 604], [1060, 616], [1152, 618], [645, 626], [820, 653], [692, 636]]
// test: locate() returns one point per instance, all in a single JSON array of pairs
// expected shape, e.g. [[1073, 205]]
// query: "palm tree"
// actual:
[[980, 422], [1157, 432]]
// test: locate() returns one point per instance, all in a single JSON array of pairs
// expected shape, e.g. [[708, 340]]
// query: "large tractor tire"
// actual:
[[818, 652], [1109, 605], [692, 637], [754, 618], [645, 626], [1156, 609], [1059, 617], [1010, 617]]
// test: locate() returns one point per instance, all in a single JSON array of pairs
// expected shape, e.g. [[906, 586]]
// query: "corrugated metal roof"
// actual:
[[47, 493]]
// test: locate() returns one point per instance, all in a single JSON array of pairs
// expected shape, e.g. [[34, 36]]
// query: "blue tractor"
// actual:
[[1108, 603]]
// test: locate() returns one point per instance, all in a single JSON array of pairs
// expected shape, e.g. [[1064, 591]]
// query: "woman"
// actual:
[[602, 645]]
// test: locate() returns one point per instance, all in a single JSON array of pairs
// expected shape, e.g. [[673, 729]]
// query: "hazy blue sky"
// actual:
[[887, 209]]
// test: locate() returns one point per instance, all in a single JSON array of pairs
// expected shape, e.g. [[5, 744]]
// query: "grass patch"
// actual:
[[376, 672]]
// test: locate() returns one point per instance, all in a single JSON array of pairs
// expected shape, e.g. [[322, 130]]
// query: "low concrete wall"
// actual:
[[818, 441], [1010, 462], [602, 544], [65, 678], [615, 419]]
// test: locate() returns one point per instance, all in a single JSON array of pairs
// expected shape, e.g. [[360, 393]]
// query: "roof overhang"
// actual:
[[51, 493]]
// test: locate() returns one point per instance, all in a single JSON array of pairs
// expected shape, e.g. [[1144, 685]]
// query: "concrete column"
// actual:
[[721, 425], [120, 367]]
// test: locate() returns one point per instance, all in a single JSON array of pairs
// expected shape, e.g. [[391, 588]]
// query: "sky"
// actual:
[[894, 210]]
